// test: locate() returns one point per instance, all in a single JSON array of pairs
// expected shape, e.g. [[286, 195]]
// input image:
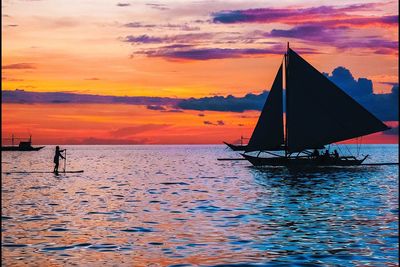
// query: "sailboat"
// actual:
[[240, 147], [318, 113], [23, 145]]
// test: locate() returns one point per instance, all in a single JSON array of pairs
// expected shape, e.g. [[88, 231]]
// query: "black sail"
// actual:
[[268, 133], [319, 112]]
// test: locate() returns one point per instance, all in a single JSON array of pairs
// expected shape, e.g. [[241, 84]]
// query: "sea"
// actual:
[[177, 205]]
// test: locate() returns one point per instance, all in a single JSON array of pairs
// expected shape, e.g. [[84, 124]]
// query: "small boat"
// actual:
[[240, 147], [318, 113], [23, 145]]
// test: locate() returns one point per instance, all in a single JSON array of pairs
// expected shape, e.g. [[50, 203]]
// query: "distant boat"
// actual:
[[23, 145], [318, 113], [240, 147]]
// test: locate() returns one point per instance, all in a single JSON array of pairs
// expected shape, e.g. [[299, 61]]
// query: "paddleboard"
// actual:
[[42, 172]]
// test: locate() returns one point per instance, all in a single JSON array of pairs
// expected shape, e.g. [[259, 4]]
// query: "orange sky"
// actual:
[[130, 124], [103, 47]]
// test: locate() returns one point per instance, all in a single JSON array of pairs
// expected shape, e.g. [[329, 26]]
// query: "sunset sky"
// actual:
[[178, 50]]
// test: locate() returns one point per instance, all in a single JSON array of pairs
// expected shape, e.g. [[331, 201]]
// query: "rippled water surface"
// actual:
[[178, 205]]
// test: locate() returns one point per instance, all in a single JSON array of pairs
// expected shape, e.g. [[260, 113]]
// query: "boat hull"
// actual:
[[302, 162], [236, 147], [16, 148]]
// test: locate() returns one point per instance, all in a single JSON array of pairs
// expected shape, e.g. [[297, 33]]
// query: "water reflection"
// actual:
[[171, 205]]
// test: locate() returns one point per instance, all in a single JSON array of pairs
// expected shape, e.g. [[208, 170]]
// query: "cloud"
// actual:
[[107, 141], [379, 46], [218, 123], [155, 107], [157, 6], [137, 129], [193, 53], [143, 39], [337, 37], [180, 38], [123, 4], [181, 27], [19, 66], [11, 79], [229, 103], [308, 32], [195, 46], [139, 25], [343, 78], [337, 26], [173, 110], [210, 53], [163, 109], [21, 96], [331, 15], [384, 106]]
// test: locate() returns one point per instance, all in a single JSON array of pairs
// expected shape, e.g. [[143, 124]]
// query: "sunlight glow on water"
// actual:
[[169, 205]]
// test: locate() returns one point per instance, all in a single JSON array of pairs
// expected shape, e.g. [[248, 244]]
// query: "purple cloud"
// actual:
[[216, 53], [22, 96], [157, 6], [181, 27], [133, 130], [384, 106], [155, 107], [180, 38], [19, 66], [300, 15], [218, 123], [336, 37], [308, 32], [143, 39], [173, 110], [123, 4], [139, 25]]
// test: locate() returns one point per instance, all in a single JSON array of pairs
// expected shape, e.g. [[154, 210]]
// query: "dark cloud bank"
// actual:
[[26, 97], [384, 106]]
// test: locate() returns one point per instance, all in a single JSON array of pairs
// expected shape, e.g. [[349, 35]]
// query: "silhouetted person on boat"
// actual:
[[57, 158], [326, 155], [315, 154], [336, 154]]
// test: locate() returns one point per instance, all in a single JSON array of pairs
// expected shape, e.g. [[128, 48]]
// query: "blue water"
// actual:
[[179, 206]]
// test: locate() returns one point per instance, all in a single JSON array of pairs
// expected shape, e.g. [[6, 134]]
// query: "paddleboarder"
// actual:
[[57, 158]]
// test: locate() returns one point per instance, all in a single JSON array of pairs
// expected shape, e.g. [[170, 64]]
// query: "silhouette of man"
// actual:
[[315, 154], [335, 154], [326, 154], [57, 158]]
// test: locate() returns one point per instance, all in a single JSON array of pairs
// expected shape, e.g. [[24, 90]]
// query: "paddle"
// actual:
[[65, 159]]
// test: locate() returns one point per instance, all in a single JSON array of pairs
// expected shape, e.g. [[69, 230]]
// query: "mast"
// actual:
[[286, 99]]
